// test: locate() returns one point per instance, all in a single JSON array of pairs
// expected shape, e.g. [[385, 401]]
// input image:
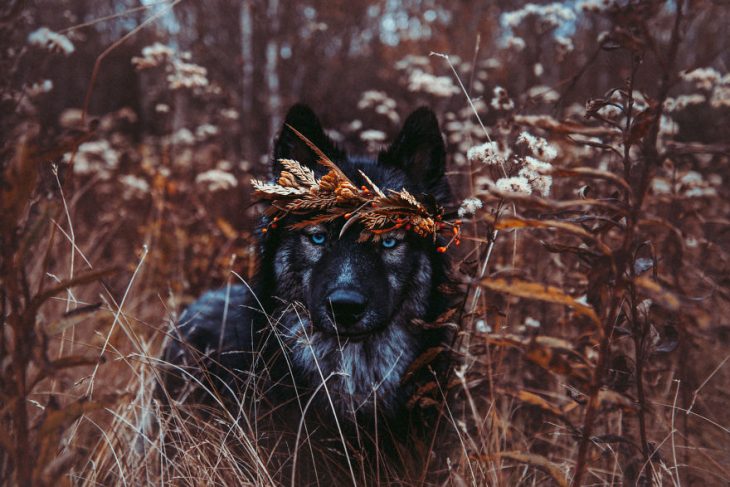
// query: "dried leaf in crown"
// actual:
[[297, 191]]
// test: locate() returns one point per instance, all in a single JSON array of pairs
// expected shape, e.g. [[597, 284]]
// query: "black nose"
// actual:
[[346, 307]]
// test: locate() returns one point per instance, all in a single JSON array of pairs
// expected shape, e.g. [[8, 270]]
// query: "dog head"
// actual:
[[345, 307]]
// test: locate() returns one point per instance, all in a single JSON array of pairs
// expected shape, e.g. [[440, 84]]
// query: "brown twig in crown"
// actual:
[[299, 192]]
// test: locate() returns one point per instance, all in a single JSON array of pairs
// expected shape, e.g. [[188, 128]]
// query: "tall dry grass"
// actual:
[[592, 332]]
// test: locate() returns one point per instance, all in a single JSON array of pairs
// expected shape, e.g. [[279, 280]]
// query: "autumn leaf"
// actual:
[[657, 293]]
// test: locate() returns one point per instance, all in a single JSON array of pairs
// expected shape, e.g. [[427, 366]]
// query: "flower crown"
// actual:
[[333, 196]]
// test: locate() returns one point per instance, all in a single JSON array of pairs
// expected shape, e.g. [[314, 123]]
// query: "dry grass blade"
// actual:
[[505, 223], [534, 400], [657, 293], [538, 291], [590, 172], [76, 281], [70, 320], [61, 418], [534, 460]]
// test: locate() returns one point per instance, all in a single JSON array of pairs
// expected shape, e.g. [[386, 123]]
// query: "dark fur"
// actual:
[[285, 332]]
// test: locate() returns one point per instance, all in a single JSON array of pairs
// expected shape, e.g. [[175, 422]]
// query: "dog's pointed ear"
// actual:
[[419, 149], [290, 146]]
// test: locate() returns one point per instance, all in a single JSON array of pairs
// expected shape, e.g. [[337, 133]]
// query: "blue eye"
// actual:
[[389, 243], [318, 238]]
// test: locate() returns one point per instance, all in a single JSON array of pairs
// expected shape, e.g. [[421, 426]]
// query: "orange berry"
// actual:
[[441, 250], [264, 230]]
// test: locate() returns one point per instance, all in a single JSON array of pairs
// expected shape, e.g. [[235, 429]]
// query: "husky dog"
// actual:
[[330, 319]]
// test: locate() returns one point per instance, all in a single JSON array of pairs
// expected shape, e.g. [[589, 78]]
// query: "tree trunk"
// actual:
[[272, 74], [246, 117]]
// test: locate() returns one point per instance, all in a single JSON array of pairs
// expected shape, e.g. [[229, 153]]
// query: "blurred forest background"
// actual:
[[130, 132]]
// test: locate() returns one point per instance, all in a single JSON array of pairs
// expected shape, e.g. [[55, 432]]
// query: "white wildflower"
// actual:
[[683, 101], [692, 178], [459, 159], [594, 5], [531, 322], [153, 55], [487, 153], [71, 118], [39, 88], [134, 186], [483, 327], [490, 63], [537, 166], [374, 98], [354, 126], [703, 78], [441, 86], [516, 43], [501, 100], [206, 131], [335, 135], [543, 93], [515, 184], [610, 111], [230, 114], [538, 69], [701, 192], [224, 165], [45, 38], [454, 126], [668, 127], [380, 102], [542, 121], [720, 96], [162, 108], [564, 45], [537, 174], [660, 186], [182, 137], [695, 186], [372, 136], [410, 61], [95, 157], [538, 146], [187, 75], [469, 207], [467, 112], [216, 180], [550, 15]]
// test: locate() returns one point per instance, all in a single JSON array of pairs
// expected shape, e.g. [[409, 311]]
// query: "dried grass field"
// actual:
[[588, 149]]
